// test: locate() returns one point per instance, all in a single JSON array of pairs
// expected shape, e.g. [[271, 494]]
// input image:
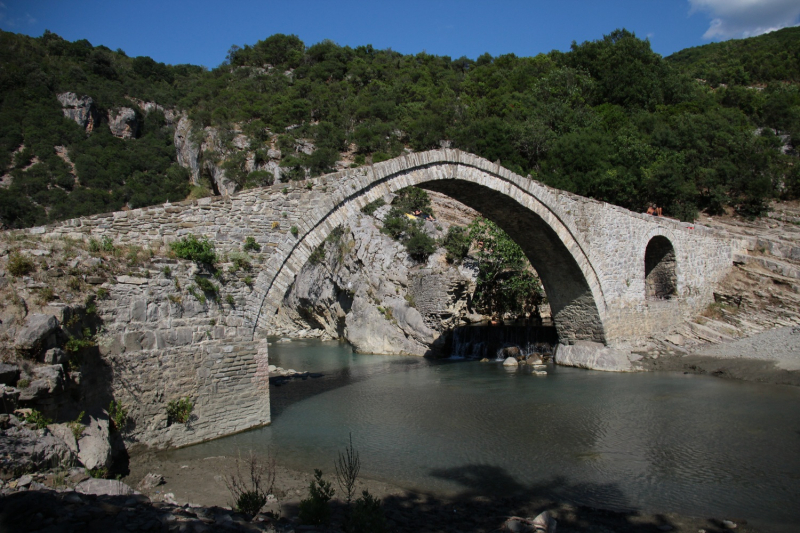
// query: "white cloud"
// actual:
[[746, 18]]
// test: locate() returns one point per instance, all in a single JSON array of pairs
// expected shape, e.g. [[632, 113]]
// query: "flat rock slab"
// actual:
[[104, 487], [593, 356]]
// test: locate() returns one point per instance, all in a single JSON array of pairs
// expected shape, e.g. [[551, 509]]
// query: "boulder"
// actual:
[[544, 523], [123, 122], [593, 356], [64, 432], [150, 481], [55, 356], [104, 487], [39, 333], [47, 380], [9, 374], [27, 450], [512, 351], [510, 361], [94, 447], [9, 396]]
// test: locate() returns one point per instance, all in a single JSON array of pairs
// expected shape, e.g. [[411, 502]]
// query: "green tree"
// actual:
[[506, 284]]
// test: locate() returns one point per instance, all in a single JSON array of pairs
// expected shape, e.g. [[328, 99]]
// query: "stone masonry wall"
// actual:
[[604, 243]]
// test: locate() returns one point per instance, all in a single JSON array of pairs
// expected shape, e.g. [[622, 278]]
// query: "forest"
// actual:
[[711, 128]]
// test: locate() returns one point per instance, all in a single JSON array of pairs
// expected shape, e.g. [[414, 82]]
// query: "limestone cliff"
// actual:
[[362, 286]]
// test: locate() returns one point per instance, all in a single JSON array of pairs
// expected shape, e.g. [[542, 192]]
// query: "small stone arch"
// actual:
[[660, 272]]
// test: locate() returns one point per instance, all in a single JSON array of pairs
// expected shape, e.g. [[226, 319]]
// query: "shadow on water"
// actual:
[[490, 495], [287, 391]]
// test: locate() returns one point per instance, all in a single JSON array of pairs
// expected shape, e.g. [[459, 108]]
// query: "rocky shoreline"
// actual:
[[193, 498]]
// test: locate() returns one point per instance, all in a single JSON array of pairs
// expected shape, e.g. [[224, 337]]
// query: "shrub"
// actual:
[[250, 490], [46, 294], [457, 243], [395, 224], [315, 510], [250, 245], [76, 345], [206, 285], [318, 255], [20, 265], [194, 249], [348, 465], [240, 262], [99, 473], [248, 280], [94, 245], [76, 426], [294, 230], [230, 299], [420, 245], [367, 515], [23, 383], [37, 418], [107, 244], [373, 206], [167, 271], [179, 411], [118, 415], [102, 293]]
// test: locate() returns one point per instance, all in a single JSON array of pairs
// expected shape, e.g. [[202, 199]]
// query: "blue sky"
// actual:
[[201, 31]]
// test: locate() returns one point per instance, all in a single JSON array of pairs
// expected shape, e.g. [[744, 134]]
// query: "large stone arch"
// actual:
[[519, 205]]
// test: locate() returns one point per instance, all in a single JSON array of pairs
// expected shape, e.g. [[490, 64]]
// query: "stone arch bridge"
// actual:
[[612, 276]]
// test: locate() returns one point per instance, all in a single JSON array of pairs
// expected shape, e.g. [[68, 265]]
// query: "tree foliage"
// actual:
[[609, 119], [506, 284]]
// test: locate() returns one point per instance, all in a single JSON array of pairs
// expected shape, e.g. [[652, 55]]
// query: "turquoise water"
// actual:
[[657, 442]]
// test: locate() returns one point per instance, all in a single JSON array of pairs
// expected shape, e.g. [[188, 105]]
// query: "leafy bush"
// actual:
[[20, 265], [250, 245], [76, 427], [410, 199], [318, 255], [194, 249], [457, 243], [75, 344], [373, 206], [206, 285], [240, 261], [118, 415], [107, 244], [367, 515], [230, 299], [419, 244], [179, 411], [294, 230], [315, 510], [37, 418]]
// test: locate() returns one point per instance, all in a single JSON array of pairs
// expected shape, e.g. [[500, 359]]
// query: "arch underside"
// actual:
[[571, 301]]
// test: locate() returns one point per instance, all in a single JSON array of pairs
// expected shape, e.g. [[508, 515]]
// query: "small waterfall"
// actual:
[[479, 341]]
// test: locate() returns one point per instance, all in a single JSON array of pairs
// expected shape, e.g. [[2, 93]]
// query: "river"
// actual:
[[655, 442]]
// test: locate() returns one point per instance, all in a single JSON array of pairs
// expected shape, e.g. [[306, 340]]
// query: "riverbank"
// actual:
[[771, 357], [200, 481]]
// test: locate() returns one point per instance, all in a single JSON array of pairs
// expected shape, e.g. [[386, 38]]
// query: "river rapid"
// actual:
[[654, 442]]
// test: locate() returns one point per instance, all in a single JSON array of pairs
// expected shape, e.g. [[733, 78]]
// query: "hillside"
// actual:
[[772, 57], [84, 129]]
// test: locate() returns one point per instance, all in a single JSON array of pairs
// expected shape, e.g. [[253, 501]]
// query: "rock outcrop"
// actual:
[[188, 153], [82, 110], [366, 289], [123, 123], [38, 334]]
